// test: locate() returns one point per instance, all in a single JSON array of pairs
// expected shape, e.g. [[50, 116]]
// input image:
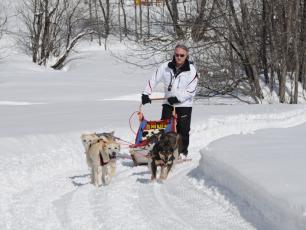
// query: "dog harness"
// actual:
[[102, 162]]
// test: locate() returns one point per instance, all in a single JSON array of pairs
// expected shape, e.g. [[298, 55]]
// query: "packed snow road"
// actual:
[[45, 182], [68, 201]]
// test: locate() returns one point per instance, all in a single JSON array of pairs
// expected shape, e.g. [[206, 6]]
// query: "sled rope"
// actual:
[[126, 142]]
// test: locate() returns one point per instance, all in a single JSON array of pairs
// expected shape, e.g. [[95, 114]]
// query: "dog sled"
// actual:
[[140, 150]]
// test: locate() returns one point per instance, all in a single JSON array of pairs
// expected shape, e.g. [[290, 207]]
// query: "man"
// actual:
[[179, 78]]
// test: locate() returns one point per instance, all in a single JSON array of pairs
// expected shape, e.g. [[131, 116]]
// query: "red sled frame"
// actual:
[[139, 151]]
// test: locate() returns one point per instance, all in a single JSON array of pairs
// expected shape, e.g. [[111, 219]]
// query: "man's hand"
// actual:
[[173, 100], [145, 99]]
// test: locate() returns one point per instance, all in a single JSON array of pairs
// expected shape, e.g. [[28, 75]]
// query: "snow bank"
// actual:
[[247, 180], [246, 122], [34, 158]]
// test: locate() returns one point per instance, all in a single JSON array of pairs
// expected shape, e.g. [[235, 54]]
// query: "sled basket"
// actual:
[[140, 150]]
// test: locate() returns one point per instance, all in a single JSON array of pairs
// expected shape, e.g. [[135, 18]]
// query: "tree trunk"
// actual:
[[90, 18], [119, 20], [302, 47], [97, 23], [197, 29], [136, 22], [124, 19], [148, 18], [140, 20], [106, 15], [264, 42], [60, 63], [173, 11]]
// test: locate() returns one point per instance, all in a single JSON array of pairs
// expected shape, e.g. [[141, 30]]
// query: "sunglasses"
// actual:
[[180, 55]]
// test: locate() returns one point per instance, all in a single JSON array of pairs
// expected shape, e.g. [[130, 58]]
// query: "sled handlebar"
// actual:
[[153, 99], [158, 98], [140, 114]]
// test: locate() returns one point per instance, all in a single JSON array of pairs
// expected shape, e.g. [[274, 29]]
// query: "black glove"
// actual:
[[173, 100], [145, 99]]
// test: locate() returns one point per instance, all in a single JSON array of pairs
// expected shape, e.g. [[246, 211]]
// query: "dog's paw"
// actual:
[[107, 180], [160, 181], [96, 185]]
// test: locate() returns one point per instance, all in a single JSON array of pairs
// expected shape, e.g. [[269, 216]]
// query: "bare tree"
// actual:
[[72, 30], [234, 43], [124, 17], [287, 46], [53, 27], [3, 21], [203, 18], [97, 22], [174, 13], [105, 8], [136, 22], [90, 17], [302, 45]]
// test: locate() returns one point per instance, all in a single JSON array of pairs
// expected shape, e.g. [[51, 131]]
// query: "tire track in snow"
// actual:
[[33, 208], [180, 206], [75, 210], [199, 209], [210, 131]]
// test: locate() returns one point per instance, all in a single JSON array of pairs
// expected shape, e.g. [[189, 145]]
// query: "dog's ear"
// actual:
[[112, 132]]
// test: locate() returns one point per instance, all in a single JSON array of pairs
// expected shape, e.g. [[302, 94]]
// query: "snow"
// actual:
[[247, 160], [263, 169]]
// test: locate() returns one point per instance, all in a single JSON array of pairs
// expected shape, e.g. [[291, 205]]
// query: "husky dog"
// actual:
[[164, 153], [101, 151]]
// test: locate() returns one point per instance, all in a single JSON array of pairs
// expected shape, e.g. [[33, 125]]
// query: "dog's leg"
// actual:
[[96, 173], [92, 175], [163, 172], [167, 170], [88, 160], [90, 167], [112, 164], [153, 170], [176, 154], [100, 173], [105, 173], [150, 164]]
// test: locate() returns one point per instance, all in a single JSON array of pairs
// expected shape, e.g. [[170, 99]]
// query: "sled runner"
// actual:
[[143, 141]]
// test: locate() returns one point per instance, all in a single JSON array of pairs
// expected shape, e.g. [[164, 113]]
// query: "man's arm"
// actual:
[[191, 87], [155, 79]]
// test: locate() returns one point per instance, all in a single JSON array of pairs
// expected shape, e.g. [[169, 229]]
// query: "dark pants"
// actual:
[[183, 122]]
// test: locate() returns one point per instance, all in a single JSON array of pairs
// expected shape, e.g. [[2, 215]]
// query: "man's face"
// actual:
[[180, 56]]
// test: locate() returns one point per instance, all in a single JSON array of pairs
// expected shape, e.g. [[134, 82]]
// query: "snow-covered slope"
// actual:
[[45, 180]]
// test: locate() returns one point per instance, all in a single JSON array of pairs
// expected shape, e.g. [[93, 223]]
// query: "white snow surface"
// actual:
[[247, 169]]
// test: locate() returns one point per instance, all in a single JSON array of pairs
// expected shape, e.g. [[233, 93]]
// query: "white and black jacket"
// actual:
[[180, 83]]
